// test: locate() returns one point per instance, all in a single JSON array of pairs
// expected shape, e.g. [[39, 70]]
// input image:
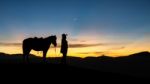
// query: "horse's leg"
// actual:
[[26, 55], [44, 55]]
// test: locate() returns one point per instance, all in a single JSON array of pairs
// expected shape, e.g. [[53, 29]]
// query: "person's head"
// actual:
[[64, 36]]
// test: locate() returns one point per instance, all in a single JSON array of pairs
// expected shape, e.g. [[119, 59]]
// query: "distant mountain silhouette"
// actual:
[[136, 65]]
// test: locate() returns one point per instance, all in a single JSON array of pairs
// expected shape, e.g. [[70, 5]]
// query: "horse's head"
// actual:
[[53, 40]]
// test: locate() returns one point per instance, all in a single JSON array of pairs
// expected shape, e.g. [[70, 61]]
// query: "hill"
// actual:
[[135, 65], [57, 73]]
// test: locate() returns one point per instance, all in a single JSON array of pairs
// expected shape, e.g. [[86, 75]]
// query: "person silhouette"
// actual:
[[64, 48]]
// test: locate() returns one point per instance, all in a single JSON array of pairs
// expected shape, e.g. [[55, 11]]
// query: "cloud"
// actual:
[[117, 48], [70, 45], [77, 40], [85, 45], [10, 44], [59, 45], [97, 53]]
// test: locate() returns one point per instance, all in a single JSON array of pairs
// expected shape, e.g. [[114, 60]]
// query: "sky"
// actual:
[[94, 27]]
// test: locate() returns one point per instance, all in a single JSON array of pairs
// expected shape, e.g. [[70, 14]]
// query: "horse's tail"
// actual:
[[23, 51], [23, 46]]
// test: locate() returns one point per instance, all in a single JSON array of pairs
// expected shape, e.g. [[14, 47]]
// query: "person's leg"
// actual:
[[63, 60]]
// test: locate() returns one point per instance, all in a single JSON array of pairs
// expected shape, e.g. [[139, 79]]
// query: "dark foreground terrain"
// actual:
[[135, 67], [61, 73]]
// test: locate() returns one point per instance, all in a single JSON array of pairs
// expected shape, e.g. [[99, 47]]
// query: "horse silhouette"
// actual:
[[37, 44]]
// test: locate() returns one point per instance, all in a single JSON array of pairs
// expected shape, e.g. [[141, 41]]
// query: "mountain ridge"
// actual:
[[137, 65]]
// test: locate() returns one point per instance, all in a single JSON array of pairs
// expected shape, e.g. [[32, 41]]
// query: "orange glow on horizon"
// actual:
[[89, 47], [77, 52]]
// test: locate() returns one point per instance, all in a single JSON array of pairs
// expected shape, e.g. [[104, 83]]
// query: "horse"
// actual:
[[37, 44]]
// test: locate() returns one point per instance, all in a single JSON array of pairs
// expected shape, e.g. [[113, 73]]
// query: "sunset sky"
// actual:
[[94, 27]]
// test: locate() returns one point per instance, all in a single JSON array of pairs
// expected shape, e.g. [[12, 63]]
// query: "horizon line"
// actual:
[[76, 56]]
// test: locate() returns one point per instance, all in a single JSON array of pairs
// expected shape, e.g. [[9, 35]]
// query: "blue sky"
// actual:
[[110, 16], [112, 20]]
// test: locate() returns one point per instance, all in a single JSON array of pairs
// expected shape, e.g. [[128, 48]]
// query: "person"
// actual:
[[64, 48]]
